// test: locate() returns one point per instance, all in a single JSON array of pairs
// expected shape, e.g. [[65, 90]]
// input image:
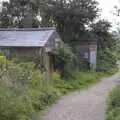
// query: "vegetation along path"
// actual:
[[88, 104]]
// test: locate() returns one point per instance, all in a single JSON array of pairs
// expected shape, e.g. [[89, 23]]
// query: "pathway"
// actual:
[[88, 104]]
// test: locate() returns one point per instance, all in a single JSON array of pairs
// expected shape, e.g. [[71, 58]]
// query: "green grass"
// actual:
[[80, 81], [113, 112]]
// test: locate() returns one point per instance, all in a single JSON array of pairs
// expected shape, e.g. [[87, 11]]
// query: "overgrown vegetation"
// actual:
[[24, 91], [63, 60], [114, 105], [107, 46]]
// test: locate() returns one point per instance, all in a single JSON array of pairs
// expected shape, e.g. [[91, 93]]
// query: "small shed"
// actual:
[[28, 42], [86, 50]]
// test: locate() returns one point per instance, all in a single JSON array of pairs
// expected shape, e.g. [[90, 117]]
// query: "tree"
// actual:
[[102, 30], [16, 12], [70, 16], [107, 45]]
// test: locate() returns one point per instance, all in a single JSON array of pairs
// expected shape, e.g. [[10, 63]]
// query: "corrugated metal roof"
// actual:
[[25, 37]]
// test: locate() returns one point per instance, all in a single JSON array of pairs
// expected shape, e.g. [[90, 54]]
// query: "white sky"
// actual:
[[107, 9]]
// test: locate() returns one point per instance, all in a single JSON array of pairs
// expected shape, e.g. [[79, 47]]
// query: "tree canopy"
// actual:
[[70, 16], [101, 30], [19, 13]]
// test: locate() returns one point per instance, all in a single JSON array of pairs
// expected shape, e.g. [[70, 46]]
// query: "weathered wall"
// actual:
[[82, 49], [24, 52]]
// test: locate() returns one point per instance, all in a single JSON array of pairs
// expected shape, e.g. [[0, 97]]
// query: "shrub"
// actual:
[[15, 106], [114, 105], [26, 91], [106, 60], [3, 62], [63, 60]]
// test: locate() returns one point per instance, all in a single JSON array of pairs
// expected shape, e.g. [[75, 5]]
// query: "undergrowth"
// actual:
[[24, 91], [113, 112]]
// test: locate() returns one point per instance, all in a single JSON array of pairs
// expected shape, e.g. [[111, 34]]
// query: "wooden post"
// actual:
[[46, 64]]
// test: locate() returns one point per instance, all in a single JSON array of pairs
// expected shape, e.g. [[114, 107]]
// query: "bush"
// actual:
[[14, 106], [106, 60], [63, 60], [26, 91], [114, 105]]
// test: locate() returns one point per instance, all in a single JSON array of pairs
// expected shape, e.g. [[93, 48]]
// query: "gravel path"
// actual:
[[88, 104]]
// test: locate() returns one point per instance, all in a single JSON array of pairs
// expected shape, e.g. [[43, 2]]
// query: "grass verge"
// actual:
[[113, 112]]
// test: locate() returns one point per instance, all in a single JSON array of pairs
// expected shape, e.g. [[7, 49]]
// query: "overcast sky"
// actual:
[[107, 9]]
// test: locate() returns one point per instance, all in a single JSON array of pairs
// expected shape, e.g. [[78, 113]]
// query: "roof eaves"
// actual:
[[28, 29]]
